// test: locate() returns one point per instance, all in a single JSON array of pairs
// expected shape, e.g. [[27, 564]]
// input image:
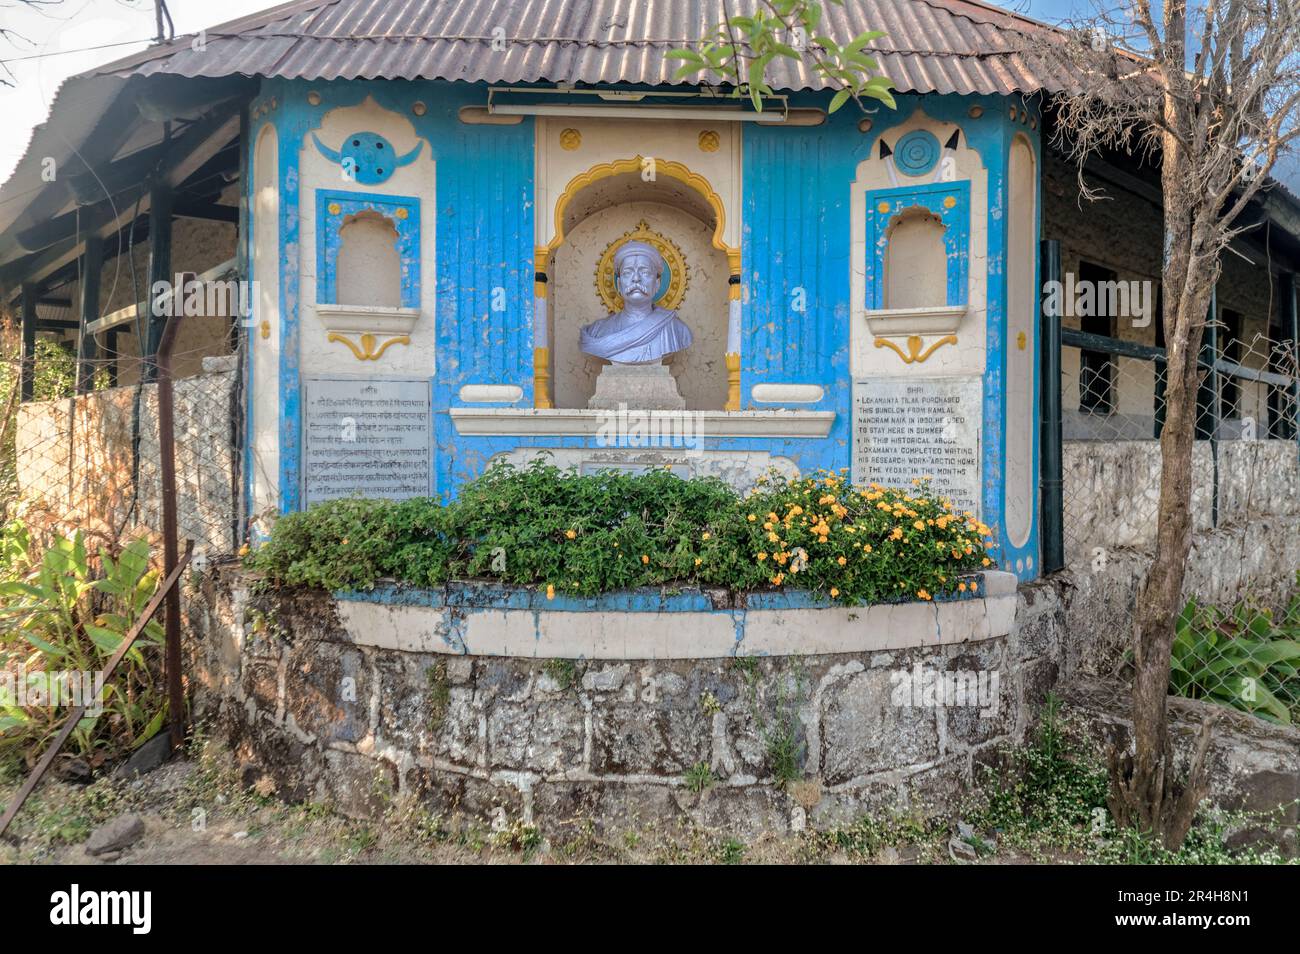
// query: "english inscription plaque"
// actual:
[[904, 428], [367, 437]]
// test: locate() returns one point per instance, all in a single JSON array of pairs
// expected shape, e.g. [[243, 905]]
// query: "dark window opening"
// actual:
[[1097, 368]]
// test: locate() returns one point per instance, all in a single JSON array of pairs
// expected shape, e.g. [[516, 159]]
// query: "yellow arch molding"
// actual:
[[674, 170], [669, 167]]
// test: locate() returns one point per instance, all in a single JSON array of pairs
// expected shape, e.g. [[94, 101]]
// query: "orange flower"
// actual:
[[834, 592], [550, 591], [644, 558], [841, 561], [923, 594], [570, 533], [762, 556]]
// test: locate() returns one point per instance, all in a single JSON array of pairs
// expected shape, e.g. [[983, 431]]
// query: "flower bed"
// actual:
[[584, 535]]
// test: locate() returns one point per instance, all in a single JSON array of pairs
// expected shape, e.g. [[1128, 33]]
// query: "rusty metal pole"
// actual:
[[171, 548]]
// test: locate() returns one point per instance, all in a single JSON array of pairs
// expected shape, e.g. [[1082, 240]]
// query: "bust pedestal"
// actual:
[[640, 387]]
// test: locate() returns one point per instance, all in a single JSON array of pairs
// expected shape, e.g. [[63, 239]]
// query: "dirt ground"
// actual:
[[194, 813]]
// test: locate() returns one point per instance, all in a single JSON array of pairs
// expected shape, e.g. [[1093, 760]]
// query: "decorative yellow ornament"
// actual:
[[570, 139], [709, 140], [678, 274], [883, 208], [949, 202], [915, 344], [334, 208]]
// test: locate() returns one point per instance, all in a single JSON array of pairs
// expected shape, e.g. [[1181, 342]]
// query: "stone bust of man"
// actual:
[[642, 333]]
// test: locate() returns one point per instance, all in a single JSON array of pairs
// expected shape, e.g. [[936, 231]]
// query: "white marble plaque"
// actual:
[[367, 437], [905, 428]]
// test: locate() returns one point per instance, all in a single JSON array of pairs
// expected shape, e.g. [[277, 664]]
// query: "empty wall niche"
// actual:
[[367, 262], [916, 262], [369, 268], [918, 255]]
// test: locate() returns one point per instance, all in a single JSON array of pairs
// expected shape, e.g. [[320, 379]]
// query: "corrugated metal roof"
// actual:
[[939, 46]]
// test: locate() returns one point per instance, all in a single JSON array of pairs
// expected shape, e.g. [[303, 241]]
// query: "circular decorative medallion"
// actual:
[[709, 140], [916, 153], [570, 139], [672, 288]]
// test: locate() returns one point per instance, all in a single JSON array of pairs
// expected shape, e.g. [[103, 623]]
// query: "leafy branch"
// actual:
[[740, 49]]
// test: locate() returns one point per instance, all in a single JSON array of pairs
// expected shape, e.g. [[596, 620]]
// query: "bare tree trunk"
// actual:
[[1145, 793]]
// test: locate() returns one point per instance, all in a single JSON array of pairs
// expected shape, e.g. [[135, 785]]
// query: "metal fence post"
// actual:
[[1050, 464], [171, 550], [1293, 345], [1213, 391]]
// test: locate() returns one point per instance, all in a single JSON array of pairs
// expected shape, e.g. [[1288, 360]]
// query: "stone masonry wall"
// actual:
[[75, 460], [562, 741]]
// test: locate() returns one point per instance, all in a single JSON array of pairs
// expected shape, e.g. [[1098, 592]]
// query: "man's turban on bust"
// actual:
[[633, 247]]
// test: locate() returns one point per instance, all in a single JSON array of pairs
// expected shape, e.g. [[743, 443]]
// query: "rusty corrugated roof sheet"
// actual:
[[939, 46]]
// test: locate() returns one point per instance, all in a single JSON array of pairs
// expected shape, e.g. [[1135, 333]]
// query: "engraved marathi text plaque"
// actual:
[[367, 437]]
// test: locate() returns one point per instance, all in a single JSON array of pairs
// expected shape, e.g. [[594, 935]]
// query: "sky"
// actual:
[[43, 45]]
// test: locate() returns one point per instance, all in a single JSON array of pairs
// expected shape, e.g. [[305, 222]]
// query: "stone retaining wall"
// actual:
[[308, 705]]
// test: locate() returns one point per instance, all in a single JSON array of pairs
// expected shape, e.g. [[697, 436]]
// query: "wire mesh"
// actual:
[[91, 462], [1232, 646]]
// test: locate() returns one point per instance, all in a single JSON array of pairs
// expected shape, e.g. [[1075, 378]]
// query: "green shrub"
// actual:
[[590, 534], [65, 615], [1244, 659]]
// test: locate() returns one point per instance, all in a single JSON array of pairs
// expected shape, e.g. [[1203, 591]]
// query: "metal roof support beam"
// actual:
[[160, 266], [27, 369], [92, 263]]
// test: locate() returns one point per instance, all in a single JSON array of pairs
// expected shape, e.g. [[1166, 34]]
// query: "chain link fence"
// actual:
[[89, 458], [1233, 645]]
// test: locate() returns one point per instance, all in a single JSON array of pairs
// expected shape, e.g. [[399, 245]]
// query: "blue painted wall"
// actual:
[[795, 264]]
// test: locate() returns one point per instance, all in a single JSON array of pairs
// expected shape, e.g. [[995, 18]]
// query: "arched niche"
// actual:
[[369, 266], [916, 261], [601, 208]]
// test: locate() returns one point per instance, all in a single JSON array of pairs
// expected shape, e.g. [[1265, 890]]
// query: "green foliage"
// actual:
[[563, 671], [699, 777], [1055, 791], [439, 694], [62, 615], [1243, 658], [740, 50], [588, 534]]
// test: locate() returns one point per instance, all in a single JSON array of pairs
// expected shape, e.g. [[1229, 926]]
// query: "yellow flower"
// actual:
[[776, 580], [866, 548], [923, 594], [644, 558], [570, 533], [762, 556], [842, 560], [767, 525], [243, 551], [773, 537], [550, 591], [986, 561], [834, 592], [752, 518], [698, 561], [705, 535], [896, 534], [919, 524]]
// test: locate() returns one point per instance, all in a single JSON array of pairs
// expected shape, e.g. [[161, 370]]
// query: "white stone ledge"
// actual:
[[695, 634], [585, 422]]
